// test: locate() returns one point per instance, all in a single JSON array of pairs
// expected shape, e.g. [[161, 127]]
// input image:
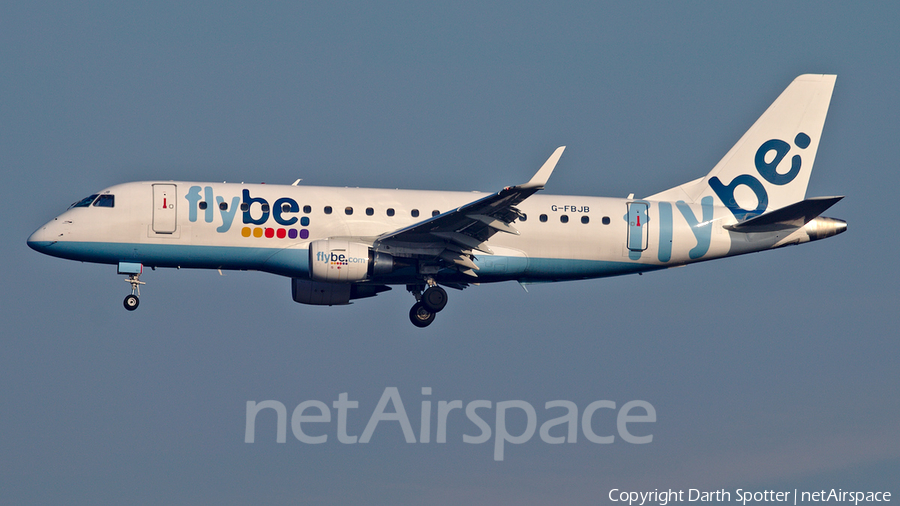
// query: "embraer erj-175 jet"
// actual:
[[341, 244]]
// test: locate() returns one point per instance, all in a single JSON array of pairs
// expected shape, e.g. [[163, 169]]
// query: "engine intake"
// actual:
[[339, 261]]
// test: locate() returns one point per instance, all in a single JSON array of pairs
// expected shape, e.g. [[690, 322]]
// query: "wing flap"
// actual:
[[459, 259], [494, 223], [464, 240]]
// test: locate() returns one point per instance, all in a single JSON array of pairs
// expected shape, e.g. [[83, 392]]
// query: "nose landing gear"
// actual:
[[428, 303], [132, 301], [133, 270]]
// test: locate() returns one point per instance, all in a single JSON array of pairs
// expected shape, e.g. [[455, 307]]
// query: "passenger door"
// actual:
[[164, 208]]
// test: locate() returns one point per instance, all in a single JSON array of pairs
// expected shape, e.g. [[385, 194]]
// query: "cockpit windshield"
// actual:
[[85, 202], [105, 200]]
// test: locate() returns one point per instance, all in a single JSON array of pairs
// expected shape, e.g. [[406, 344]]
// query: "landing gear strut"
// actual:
[[134, 271], [428, 303], [132, 301]]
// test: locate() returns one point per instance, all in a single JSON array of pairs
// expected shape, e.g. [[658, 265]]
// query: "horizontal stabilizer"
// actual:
[[793, 216]]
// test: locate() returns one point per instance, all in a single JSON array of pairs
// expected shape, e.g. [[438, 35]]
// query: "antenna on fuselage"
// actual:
[[295, 182]]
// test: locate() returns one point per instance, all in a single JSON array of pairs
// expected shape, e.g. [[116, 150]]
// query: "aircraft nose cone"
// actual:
[[40, 240]]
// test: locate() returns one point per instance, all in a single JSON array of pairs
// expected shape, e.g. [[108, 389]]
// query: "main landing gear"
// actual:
[[428, 303]]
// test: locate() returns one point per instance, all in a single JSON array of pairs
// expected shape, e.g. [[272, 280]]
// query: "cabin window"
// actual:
[[307, 209], [265, 208], [105, 201], [524, 217], [585, 219], [245, 207], [564, 218], [348, 210], [285, 208], [390, 211], [605, 220], [202, 205], [369, 211], [327, 209], [543, 218], [223, 206], [435, 212], [415, 213]]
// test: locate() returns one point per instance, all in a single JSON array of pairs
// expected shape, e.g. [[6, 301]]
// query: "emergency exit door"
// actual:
[[638, 229], [164, 208]]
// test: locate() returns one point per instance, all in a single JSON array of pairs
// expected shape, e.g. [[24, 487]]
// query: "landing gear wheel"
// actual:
[[131, 302], [420, 316], [434, 298]]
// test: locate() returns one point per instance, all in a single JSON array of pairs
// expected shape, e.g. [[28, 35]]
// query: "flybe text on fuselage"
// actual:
[[280, 211]]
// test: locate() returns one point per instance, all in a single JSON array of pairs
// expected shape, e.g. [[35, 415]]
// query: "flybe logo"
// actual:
[[767, 158], [254, 211], [338, 259]]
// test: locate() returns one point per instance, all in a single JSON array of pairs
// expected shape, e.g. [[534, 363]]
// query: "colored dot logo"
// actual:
[[280, 233]]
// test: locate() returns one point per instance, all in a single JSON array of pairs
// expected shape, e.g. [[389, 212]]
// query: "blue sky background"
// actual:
[[770, 370]]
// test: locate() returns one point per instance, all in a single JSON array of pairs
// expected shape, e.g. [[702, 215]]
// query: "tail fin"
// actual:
[[769, 167]]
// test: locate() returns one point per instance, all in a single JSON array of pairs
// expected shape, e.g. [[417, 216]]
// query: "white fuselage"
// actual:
[[341, 244], [226, 226]]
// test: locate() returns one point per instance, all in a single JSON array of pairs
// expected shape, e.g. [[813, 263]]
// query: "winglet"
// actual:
[[541, 176]]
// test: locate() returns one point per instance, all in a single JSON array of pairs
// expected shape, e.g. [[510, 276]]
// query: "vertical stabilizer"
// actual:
[[769, 167]]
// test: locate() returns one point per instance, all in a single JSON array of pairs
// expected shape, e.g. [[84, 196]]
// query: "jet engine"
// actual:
[[340, 261]]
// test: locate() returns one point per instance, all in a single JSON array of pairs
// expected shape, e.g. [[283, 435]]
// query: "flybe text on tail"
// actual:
[[767, 159]]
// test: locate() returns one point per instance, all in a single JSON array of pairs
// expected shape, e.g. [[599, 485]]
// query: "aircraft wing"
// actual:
[[452, 237]]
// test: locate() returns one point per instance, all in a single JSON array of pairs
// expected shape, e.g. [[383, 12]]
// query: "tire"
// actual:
[[420, 316], [131, 302], [434, 299]]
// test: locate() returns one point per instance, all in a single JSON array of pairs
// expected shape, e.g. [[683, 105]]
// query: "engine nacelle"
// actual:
[[337, 261]]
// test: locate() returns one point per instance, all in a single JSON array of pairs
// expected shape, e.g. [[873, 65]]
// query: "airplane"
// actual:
[[342, 244]]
